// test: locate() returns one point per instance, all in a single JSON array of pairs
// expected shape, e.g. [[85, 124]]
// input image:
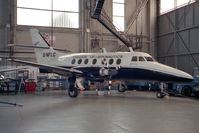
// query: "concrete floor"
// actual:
[[132, 112]]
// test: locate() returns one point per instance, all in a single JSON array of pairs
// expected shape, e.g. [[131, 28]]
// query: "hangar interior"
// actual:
[[165, 29], [86, 35], [168, 33], [73, 28], [170, 37]]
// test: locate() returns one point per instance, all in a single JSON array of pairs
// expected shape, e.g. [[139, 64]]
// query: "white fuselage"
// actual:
[[118, 60], [118, 65]]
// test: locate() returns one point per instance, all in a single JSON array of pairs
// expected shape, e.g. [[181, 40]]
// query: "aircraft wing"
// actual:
[[53, 69]]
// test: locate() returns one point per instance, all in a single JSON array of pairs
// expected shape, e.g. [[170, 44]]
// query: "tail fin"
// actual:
[[46, 54], [37, 39]]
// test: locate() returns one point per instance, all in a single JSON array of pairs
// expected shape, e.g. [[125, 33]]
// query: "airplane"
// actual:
[[102, 66]]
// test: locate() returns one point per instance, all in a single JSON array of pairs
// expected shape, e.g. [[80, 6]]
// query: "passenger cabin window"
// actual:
[[141, 58], [111, 61], [73, 61], [79, 61], [86, 61], [134, 58], [94, 61], [149, 59], [118, 61]]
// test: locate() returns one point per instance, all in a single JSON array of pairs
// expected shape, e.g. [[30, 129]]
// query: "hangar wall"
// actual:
[[5, 28], [79, 40], [178, 38]]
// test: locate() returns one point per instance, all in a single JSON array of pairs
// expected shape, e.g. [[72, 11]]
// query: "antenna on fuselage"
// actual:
[[131, 49]]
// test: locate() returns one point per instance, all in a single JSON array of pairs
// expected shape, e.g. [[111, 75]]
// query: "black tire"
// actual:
[[73, 92], [121, 88], [186, 91], [159, 94]]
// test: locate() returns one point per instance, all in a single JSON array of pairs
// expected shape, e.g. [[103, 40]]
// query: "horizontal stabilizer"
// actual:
[[26, 46]]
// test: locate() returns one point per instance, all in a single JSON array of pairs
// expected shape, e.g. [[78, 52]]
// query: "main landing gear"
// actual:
[[76, 84], [72, 91]]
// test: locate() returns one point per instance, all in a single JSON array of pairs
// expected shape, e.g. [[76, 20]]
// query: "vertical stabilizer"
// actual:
[[43, 52], [37, 39]]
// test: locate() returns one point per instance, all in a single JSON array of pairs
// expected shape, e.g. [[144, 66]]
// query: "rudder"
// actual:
[[43, 52]]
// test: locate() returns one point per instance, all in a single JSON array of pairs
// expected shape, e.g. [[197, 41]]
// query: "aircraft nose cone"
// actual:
[[176, 74], [188, 76], [185, 76]]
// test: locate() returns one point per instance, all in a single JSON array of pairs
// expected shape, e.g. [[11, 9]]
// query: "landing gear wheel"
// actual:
[[73, 92], [121, 88], [160, 94]]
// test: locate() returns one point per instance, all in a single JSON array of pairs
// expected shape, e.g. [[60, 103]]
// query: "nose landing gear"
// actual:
[[161, 93]]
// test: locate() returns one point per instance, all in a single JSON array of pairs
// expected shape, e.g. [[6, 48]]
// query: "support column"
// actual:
[[152, 19]]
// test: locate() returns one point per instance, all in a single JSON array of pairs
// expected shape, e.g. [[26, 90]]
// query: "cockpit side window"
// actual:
[[134, 58], [141, 58], [148, 58]]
